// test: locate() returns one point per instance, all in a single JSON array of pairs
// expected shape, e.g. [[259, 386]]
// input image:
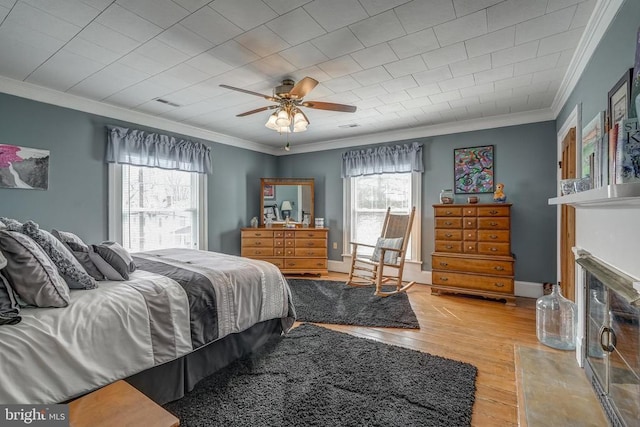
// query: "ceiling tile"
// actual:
[[565, 57], [98, 4], [461, 29], [432, 76], [457, 83], [340, 66], [368, 103], [369, 91], [491, 42], [4, 11], [91, 50], [185, 40], [374, 56], [192, 5], [463, 102], [390, 108], [304, 55], [374, 7], [163, 13], [537, 64], [72, 11], [210, 64], [424, 90], [233, 53], [142, 63], [246, 14], [478, 90], [137, 94], [7, 3], [128, 23], [444, 97], [191, 110], [209, 24], [334, 14], [444, 56], [108, 81], [283, 6], [524, 80], [406, 66], [494, 74], [342, 84], [34, 19], [502, 94], [274, 66], [393, 97], [470, 66], [296, 27], [515, 54], [262, 41], [107, 38], [337, 43], [583, 13], [162, 53], [313, 72], [154, 107], [560, 4], [544, 26], [25, 58], [378, 29], [402, 83], [188, 74], [512, 12], [372, 76], [531, 88], [414, 44], [559, 42], [418, 14], [465, 7]]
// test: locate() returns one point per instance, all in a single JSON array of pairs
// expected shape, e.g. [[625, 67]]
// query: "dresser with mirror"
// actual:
[[287, 236]]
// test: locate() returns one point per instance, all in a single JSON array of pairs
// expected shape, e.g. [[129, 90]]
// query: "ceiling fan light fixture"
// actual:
[[271, 123], [283, 119]]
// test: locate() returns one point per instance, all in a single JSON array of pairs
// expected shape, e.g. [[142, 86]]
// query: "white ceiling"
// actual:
[[404, 64]]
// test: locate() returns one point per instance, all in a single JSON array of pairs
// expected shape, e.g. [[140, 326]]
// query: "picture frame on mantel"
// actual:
[[618, 99]]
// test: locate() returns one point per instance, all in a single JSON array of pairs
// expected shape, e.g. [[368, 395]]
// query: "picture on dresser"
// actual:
[[23, 167], [473, 169], [269, 192]]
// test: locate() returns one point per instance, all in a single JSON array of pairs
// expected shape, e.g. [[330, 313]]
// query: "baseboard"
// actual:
[[413, 271]]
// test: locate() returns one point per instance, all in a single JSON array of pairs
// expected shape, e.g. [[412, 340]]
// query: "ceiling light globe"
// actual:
[[283, 119], [271, 123]]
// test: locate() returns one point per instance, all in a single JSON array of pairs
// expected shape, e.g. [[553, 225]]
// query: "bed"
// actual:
[[181, 315]]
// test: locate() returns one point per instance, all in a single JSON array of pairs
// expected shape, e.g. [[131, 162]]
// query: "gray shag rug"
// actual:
[[317, 377], [327, 301]]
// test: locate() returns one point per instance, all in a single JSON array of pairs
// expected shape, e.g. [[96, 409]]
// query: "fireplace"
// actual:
[[612, 339]]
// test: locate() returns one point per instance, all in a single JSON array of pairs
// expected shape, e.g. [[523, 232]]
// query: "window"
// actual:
[[152, 208], [367, 202]]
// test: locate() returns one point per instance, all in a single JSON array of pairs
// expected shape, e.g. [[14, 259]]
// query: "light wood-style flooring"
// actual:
[[474, 330]]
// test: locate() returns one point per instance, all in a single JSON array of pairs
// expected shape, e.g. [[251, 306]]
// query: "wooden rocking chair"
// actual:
[[387, 262]]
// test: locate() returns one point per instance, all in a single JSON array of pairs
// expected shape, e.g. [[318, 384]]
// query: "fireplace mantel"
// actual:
[[609, 195]]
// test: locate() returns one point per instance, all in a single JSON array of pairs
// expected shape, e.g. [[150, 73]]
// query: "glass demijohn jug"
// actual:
[[446, 196], [556, 320]]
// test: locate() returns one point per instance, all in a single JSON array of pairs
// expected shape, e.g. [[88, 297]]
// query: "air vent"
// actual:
[[164, 101], [350, 125]]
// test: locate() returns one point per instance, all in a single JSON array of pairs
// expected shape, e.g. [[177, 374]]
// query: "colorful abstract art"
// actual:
[[22, 167], [473, 169]]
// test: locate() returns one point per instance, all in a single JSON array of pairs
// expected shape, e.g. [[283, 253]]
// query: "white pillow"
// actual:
[[390, 257]]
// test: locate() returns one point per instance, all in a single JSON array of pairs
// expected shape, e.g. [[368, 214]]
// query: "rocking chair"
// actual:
[[387, 262]]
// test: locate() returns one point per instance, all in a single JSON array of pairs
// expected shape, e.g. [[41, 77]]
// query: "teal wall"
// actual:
[[613, 56], [525, 161], [77, 196]]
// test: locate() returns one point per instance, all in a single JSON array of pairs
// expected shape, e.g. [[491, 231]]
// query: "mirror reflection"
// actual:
[[287, 198]]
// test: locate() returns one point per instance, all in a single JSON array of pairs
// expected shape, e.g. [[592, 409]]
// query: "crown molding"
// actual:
[[74, 102], [601, 18], [426, 131]]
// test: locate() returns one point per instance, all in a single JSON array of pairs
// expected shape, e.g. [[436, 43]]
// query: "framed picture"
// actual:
[[618, 99], [24, 167], [269, 192], [635, 83], [473, 169], [591, 134]]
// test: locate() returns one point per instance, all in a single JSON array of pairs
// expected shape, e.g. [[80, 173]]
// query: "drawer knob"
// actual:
[[448, 235], [319, 264], [493, 224], [309, 253], [258, 234], [493, 212], [258, 252], [444, 264], [498, 268], [258, 243], [494, 249], [469, 222], [309, 243], [444, 279], [499, 285], [493, 236], [470, 247], [448, 246], [449, 213], [448, 223]]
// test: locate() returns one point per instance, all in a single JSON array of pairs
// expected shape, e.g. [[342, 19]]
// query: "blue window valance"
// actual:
[[386, 159], [139, 148]]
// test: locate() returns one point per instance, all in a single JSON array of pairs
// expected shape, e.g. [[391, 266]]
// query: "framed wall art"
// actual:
[[618, 99], [473, 169], [23, 167], [269, 192]]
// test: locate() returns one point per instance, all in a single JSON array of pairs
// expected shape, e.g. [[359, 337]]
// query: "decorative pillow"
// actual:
[[390, 257], [73, 273], [11, 224], [9, 308], [117, 257], [2, 226], [31, 273], [80, 251]]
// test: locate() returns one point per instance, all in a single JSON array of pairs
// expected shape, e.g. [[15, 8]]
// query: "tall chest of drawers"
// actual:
[[473, 251], [293, 250]]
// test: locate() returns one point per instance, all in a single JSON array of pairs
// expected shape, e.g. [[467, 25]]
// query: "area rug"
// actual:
[[327, 301], [314, 376]]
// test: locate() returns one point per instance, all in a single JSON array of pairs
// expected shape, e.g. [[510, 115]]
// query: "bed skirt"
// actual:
[[172, 380]]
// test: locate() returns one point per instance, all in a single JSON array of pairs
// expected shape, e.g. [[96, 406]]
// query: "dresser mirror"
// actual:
[[283, 198]]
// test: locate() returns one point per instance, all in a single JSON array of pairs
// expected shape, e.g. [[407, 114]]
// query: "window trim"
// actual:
[[416, 228], [114, 217]]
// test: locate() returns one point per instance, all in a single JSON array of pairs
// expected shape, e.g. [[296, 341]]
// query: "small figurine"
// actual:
[[498, 195]]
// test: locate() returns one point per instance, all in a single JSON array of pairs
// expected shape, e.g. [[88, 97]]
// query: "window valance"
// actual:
[[136, 147], [387, 159]]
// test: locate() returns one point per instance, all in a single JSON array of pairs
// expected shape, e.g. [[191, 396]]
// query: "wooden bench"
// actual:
[[118, 404]]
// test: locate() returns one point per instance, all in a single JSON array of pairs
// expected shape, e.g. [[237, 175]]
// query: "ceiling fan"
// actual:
[[288, 98]]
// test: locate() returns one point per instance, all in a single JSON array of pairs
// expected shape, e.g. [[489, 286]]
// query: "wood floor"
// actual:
[[474, 330]]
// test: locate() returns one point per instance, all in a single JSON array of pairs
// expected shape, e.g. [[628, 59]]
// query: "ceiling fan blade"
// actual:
[[267, 97], [257, 110], [330, 106], [302, 88]]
